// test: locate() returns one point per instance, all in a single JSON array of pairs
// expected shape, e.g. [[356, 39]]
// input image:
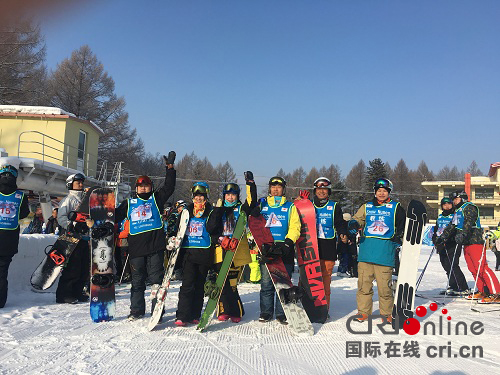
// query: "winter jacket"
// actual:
[[153, 241], [69, 203], [9, 239], [450, 244], [380, 251], [328, 247], [471, 234]]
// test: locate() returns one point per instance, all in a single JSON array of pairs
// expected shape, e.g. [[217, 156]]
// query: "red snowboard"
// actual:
[[311, 279]]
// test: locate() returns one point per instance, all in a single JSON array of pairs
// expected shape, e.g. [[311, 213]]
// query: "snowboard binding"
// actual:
[[103, 280], [291, 295], [211, 289], [230, 244], [104, 230]]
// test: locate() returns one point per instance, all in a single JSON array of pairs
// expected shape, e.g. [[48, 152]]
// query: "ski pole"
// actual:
[[123, 271], [477, 275], [451, 267], [449, 276], [423, 271]]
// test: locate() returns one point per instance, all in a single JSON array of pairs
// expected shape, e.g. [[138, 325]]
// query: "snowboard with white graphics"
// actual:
[[160, 294]]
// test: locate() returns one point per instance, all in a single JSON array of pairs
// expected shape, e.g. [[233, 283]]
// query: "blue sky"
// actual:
[[282, 84]]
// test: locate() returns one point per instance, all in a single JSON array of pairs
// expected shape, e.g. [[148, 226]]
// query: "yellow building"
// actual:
[[50, 134], [484, 191]]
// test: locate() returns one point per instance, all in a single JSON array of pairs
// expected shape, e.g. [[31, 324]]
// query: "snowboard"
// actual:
[[404, 300], [102, 244], [174, 246], [289, 295], [311, 278], [58, 254], [214, 290]]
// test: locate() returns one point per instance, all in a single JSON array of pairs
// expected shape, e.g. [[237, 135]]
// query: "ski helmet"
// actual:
[[143, 180], [72, 178], [324, 183], [383, 183], [179, 203], [446, 200], [200, 188], [8, 169], [459, 194], [231, 187]]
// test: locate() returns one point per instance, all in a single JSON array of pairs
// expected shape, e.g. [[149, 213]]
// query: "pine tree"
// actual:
[[375, 171]]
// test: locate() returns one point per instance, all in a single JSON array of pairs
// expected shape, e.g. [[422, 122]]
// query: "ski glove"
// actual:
[[170, 159], [353, 227], [286, 247], [460, 237], [248, 176], [255, 211]]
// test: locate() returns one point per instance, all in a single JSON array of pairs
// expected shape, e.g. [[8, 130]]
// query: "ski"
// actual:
[[289, 295], [311, 278], [102, 244], [404, 300], [214, 290], [174, 246]]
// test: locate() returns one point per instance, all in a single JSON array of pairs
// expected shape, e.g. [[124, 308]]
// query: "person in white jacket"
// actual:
[[76, 273]]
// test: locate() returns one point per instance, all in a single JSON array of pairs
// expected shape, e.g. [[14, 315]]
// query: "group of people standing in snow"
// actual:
[[379, 224]]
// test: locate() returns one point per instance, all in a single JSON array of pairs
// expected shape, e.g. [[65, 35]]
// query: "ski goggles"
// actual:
[[143, 181], [277, 181], [383, 183], [79, 177], [8, 169], [446, 200], [200, 189], [231, 188], [323, 184]]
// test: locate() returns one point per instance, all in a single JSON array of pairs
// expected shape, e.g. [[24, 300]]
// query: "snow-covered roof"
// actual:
[[39, 110]]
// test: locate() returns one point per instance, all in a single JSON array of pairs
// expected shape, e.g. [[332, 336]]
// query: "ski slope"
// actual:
[[38, 336]]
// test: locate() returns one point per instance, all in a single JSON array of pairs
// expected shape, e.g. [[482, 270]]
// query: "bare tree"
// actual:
[[22, 63], [80, 85], [474, 169]]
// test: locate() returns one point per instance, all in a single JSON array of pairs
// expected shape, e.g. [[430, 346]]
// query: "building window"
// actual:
[[448, 190], [486, 212], [81, 144], [485, 193]]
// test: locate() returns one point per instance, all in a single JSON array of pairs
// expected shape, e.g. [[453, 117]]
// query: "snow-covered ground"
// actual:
[[38, 336]]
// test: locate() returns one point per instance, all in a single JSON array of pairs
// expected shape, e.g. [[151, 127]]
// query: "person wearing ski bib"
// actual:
[[75, 275], [198, 245], [330, 227], [382, 223], [13, 207], [449, 252], [226, 214], [465, 228], [146, 240], [496, 246], [283, 221]]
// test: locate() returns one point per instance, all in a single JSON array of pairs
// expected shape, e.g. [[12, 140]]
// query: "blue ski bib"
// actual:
[[380, 220], [324, 220], [277, 219], [9, 210], [144, 215]]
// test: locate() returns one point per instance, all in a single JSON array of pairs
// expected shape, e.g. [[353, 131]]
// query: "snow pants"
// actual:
[[230, 301], [326, 272], [485, 276], [268, 293], [5, 261], [76, 273], [146, 267], [191, 292], [457, 278], [367, 272]]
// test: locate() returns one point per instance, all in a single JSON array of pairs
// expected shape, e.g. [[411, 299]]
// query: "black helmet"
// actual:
[[383, 183], [72, 178], [231, 187], [459, 194], [8, 169]]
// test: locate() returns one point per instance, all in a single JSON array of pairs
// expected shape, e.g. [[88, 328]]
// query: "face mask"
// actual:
[[230, 204]]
